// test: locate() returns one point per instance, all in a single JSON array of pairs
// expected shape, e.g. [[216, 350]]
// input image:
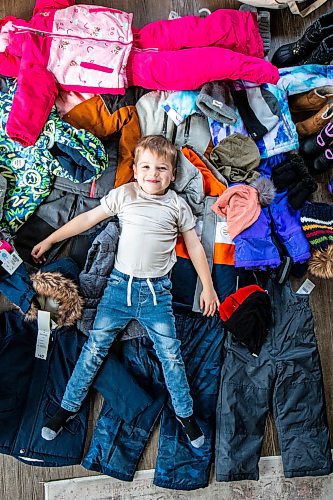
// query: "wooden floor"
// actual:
[[20, 481]]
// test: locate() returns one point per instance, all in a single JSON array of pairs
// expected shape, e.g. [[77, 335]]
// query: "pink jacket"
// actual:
[[75, 40], [88, 49], [79, 47]]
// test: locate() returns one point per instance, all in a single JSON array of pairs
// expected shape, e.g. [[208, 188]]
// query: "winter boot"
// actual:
[[324, 161], [314, 145], [323, 54], [292, 54], [313, 124], [310, 101]]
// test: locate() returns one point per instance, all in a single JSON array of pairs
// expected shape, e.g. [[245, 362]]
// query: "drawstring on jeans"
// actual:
[[129, 291], [151, 288]]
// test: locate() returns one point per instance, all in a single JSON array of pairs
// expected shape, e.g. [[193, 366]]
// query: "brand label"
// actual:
[[18, 162]]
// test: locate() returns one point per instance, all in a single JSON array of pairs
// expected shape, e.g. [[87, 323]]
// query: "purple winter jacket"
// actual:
[[254, 247]]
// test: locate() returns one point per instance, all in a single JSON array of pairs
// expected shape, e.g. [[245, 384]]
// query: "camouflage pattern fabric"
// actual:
[[117, 445]]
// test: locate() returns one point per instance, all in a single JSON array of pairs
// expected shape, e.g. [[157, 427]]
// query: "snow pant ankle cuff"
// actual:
[[316, 472], [237, 477], [179, 486], [104, 469]]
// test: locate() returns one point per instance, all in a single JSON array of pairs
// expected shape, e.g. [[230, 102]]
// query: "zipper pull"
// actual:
[[40, 33]]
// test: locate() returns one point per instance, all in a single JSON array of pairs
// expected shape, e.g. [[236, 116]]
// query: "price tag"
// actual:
[[43, 336], [10, 261], [306, 288]]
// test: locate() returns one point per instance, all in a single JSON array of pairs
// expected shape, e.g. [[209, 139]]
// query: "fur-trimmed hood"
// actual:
[[61, 290], [321, 263]]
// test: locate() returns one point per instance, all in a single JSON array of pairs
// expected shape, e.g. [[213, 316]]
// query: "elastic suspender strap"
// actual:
[[305, 12], [165, 125]]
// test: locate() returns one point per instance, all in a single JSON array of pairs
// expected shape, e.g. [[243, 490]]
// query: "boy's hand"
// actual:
[[209, 301], [39, 250]]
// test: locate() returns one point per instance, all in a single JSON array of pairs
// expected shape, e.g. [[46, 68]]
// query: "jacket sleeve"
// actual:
[[130, 134], [288, 228], [34, 98], [228, 28], [42, 5], [94, 116], [9, 65]]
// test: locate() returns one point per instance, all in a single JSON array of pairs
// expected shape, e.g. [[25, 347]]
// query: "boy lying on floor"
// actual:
[[150, 215]]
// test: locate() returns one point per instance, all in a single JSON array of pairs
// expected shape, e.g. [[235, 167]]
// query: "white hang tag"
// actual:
[[173, 15], [53, 324], [307, 287], [174, 115], [43, 336], [18, 163], [10, 261], [222, 235]]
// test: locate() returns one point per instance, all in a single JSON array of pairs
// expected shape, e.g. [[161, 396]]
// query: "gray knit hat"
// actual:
[[215, 102]]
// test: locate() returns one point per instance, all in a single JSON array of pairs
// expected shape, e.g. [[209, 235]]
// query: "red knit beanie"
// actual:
[[247, 315]]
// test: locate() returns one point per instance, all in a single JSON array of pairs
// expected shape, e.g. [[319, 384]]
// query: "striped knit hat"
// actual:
[[317, 223]]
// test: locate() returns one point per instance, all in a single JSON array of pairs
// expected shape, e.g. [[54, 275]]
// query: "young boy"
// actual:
[[150, 216]]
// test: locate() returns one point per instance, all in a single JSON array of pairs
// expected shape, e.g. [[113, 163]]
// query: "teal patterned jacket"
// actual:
[[61, 150]]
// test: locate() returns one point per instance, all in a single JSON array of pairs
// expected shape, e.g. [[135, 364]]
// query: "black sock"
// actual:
[[55, 424], [192, 430]]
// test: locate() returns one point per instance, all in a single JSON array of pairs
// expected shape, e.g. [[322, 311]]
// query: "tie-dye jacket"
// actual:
[[283, 137], [61, 150]]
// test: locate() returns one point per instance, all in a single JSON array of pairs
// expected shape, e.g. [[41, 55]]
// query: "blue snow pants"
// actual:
[[117, 446]]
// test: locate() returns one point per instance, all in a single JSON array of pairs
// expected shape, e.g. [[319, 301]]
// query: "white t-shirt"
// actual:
[[149, 225]]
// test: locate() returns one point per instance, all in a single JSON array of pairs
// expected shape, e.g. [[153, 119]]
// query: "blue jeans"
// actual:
[[113, 315]]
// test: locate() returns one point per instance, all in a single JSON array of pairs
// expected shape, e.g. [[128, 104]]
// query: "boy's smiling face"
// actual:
[[153, 173]]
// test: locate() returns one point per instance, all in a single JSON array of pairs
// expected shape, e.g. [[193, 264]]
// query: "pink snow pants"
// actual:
[[185, 53]]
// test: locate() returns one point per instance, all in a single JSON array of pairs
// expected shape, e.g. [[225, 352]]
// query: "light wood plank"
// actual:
[[272, 486]]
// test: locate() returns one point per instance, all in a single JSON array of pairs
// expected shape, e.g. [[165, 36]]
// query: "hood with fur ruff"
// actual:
[[62, 291]]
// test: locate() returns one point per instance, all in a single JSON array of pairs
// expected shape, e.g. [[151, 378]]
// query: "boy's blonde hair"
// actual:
[[159, 145]]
